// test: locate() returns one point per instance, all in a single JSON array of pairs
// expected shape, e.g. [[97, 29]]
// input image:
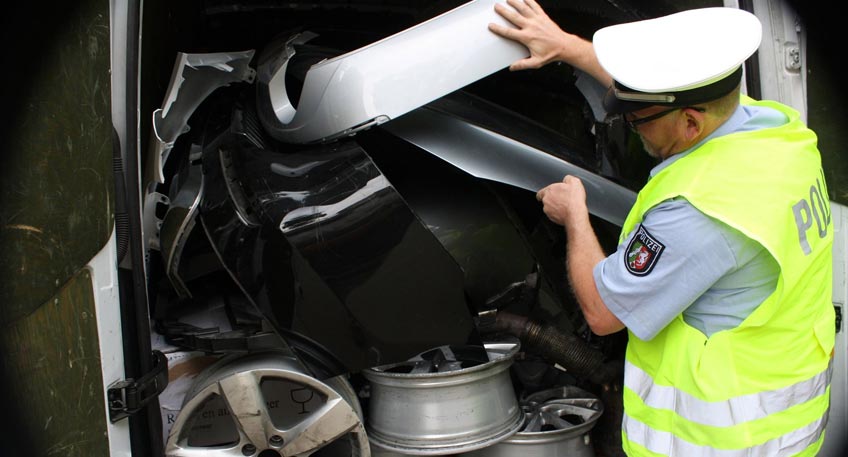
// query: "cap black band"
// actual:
[[622, 99]]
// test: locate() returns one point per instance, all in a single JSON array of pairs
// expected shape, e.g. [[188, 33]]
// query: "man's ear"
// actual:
[[695, 123]]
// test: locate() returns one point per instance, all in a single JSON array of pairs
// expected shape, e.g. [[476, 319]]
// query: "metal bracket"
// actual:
[[524, 292], [129, 396], [234, 341], [793, 58], [213, 341]]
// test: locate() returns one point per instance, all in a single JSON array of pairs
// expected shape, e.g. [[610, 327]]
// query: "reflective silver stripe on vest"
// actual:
[[727, 413], [667, 444]]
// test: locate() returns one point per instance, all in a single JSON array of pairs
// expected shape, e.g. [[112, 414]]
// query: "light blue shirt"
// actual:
[[708, 271]]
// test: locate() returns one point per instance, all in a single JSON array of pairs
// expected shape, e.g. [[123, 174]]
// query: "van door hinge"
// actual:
[[793, 58], [129, 396]]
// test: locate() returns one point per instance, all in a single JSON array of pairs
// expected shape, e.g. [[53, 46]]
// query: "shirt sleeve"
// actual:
[[663, 266]]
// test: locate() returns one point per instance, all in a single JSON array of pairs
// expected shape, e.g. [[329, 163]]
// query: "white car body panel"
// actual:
[[781, 56], [104, 279], [393, 76], [835, 440]]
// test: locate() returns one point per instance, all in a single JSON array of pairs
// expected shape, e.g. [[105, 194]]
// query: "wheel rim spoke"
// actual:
[[322, 427], [247, 405]]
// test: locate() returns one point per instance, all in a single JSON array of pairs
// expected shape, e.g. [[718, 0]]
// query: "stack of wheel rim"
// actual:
[[559, 422], [444, 401]]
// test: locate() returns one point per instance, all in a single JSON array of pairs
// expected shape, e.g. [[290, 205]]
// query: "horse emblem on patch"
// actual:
[[643, 252]]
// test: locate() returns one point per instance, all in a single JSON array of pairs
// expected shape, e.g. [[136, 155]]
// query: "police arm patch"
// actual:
[[643, 252]]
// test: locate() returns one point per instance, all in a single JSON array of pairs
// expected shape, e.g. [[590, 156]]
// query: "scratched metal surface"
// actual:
[[52, 379], [56, 185], [56, 206]]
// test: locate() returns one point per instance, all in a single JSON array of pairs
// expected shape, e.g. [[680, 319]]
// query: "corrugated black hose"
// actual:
[[569, 351]]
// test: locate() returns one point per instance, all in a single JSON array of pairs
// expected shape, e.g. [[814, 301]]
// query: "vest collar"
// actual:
[[732, 124]]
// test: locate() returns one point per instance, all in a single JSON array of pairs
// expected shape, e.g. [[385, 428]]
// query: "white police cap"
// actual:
[[681, 59]]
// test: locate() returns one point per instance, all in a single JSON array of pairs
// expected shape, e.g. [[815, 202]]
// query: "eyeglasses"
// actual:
[[634, 123]]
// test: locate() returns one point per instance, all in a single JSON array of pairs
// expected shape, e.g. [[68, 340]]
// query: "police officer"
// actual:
[[723, 273]]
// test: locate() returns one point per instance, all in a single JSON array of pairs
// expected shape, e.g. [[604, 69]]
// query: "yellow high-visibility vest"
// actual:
[[761, 388]]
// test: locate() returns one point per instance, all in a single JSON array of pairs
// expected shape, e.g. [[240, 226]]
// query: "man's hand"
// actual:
[[546, 41], [565, 202], [535, 30]]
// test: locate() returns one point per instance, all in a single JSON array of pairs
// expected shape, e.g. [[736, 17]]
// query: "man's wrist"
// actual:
[[578, 219]]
